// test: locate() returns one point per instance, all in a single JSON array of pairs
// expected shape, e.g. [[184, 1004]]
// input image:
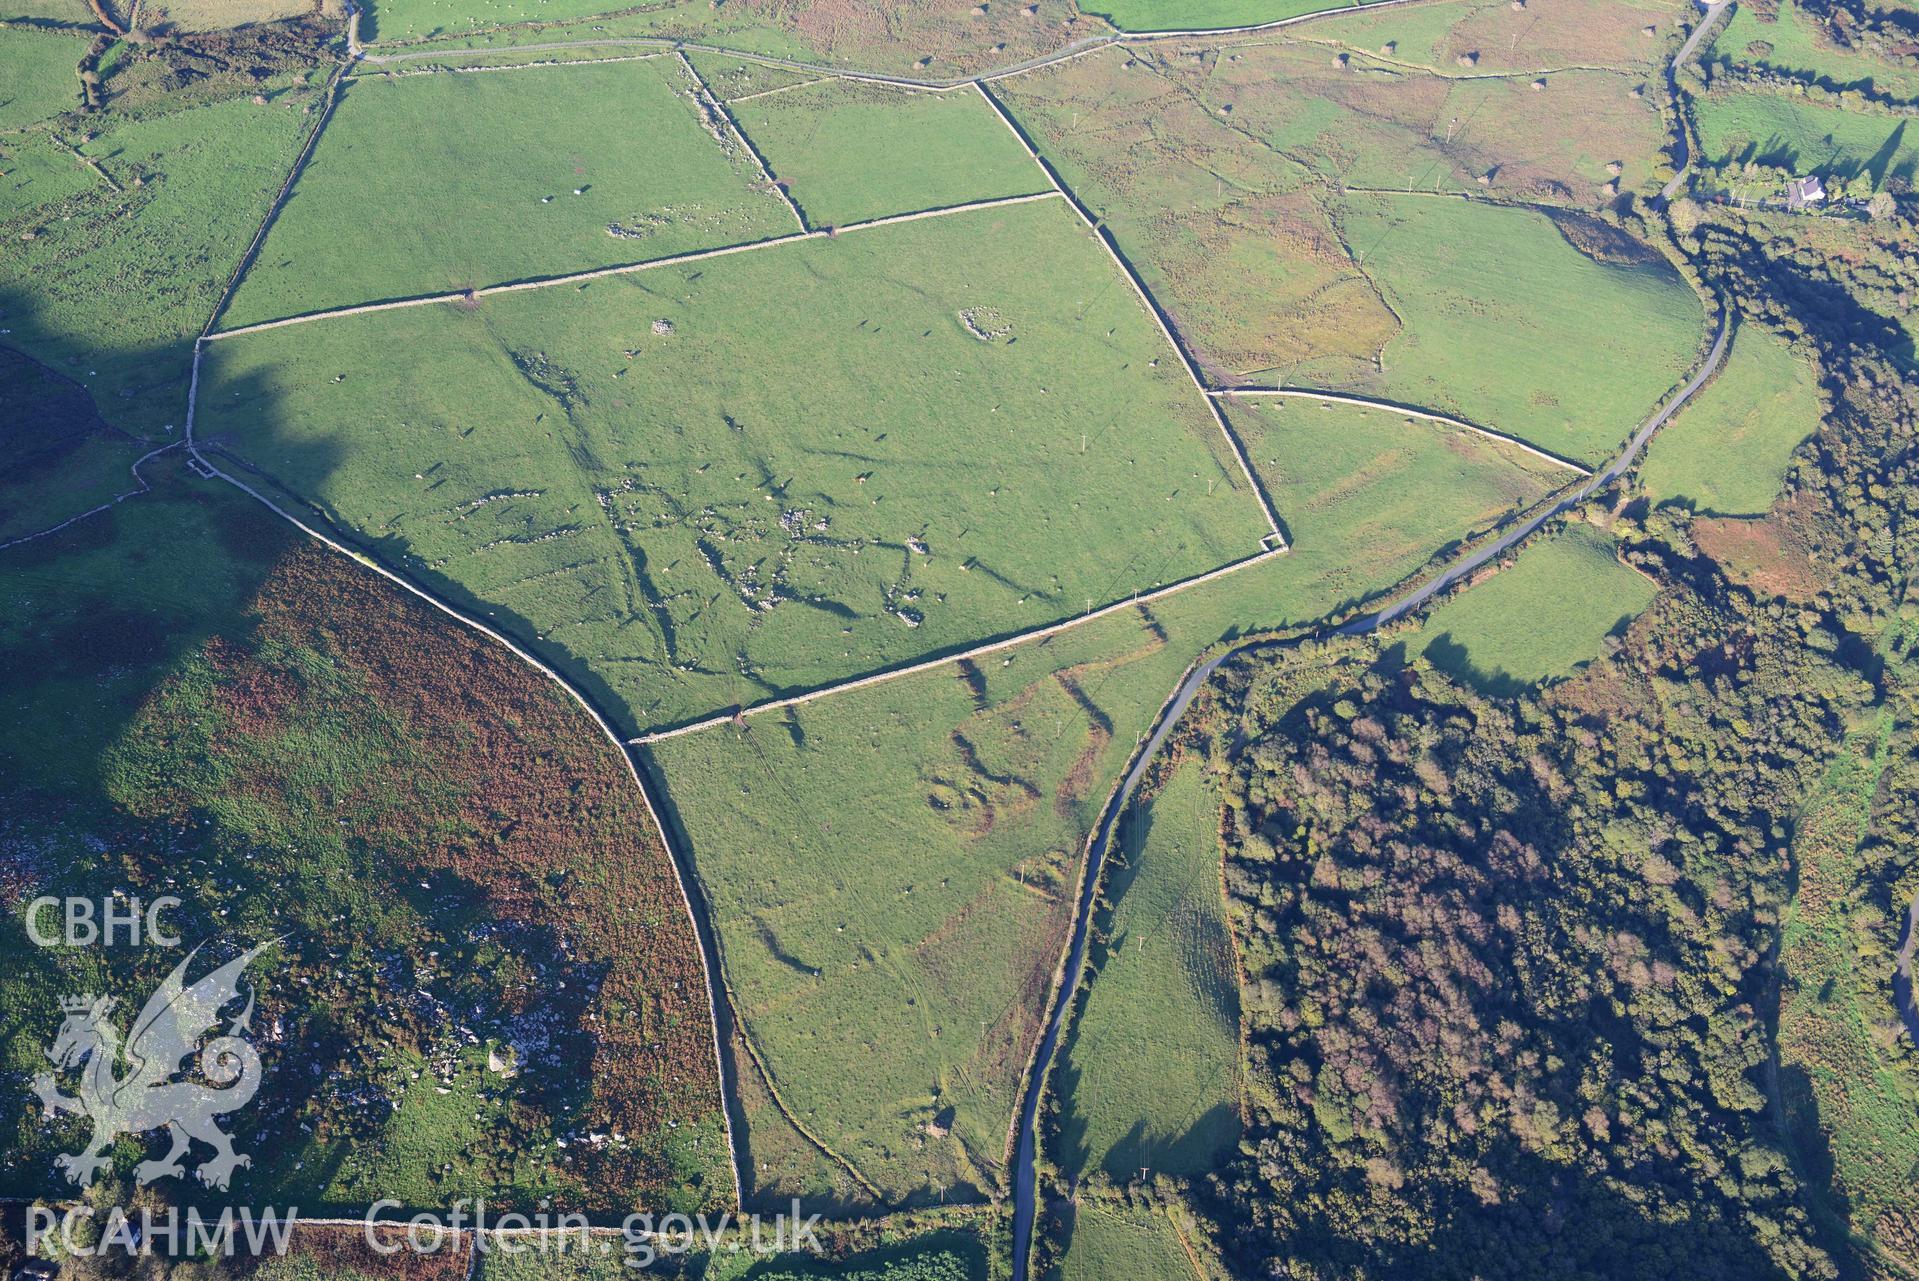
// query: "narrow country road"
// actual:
[[1686, 51], [1025, 1175], [1610, 473]]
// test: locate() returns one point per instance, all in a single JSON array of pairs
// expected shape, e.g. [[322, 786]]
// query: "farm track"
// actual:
[[1698, 37]]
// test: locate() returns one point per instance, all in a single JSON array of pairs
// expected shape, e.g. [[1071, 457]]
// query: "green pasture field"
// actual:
[[112, 286], [1798, 48], [1726, 453], [174, 736], [1110, 1241], [441, 61], [429, 184], [35, 171], [70, 12], [1508, 325], [691, 500], [891, 870], [728, 26], [1737, 125], [1542, 617], [1369, 496], [851, 151], [896, 859], [75, 475], [786, 1165], [1556, 143], [42, 77], [1149, 1074]]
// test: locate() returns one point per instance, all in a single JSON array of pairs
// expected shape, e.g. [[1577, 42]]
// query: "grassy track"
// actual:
[[1737, 125], [212, 707], [1542, 617], [109, 287], [394, 204], [808, 501], [1149, 1075], [890, 871], [850, 151], [1370, 495], [1507, 324], [1726, 454]]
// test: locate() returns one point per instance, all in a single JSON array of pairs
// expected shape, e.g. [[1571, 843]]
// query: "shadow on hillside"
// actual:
[[150, 749]]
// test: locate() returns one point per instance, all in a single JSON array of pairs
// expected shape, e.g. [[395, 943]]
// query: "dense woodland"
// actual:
[[1512, 961]]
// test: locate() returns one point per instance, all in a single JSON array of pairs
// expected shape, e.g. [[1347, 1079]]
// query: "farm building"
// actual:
[[1802, 193]]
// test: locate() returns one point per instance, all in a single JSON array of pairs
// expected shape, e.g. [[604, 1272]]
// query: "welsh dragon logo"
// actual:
[[152, 1094]]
